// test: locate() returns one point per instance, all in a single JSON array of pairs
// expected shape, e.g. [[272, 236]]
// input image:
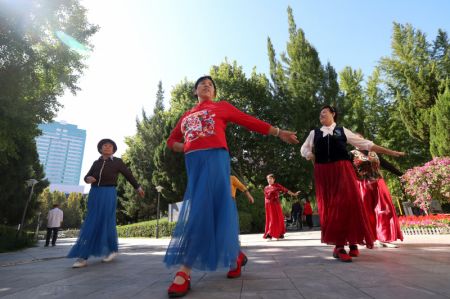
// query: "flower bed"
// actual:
[[425, 225]]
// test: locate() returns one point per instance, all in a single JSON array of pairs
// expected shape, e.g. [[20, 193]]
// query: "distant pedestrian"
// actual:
[[297, 214], [307, 211], [54, 220], [98, 235]]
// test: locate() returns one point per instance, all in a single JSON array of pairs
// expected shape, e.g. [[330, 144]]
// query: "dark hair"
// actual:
[[203, 78], [106, 140], [332, 110], [270, 175], [55, 205]]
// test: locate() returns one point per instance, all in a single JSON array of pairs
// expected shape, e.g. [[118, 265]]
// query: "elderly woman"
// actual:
[[380, 210], [98, 235], [206, 235], [342, 216]]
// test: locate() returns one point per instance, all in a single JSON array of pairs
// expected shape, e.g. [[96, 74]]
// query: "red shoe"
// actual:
[[354, 252], [179, 290], [340, 253], [241, 261]]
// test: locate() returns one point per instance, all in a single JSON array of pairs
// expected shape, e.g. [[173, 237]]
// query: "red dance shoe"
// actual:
[[340, 253], [241, 261], [354, 252], [179, 290]]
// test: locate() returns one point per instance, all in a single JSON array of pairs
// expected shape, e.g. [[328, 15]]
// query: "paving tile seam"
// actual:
[[295, 286], [349, 284]]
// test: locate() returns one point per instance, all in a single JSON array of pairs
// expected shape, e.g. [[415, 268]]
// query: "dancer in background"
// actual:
[[98, 235], [206, 234], [307, 211], [380, 210], [237, 185], [275, 227], [342, 216]]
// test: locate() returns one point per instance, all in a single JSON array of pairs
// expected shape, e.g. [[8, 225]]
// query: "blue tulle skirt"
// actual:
[[206, 236], [98, 234]]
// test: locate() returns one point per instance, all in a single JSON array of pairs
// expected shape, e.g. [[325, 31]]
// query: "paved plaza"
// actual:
[[297, 267]]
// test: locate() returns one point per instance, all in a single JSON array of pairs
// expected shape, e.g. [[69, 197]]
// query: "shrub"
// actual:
[[146, 229], [9, 241], [256, 212], [427, 182]]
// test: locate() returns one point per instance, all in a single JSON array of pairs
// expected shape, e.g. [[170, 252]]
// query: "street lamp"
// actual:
[[30, 183], [159, 189]]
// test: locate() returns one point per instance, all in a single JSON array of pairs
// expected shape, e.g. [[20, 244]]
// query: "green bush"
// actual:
[[146, 229], [9, 241], [245, 222], [256, 211]]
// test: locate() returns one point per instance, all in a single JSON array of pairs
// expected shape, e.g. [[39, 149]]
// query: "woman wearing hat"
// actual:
[[98, 235]]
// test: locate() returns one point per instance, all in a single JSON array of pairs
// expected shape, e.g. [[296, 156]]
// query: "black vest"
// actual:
[[330, 148]]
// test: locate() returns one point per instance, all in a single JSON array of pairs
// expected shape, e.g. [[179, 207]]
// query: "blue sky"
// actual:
[[144, 41]]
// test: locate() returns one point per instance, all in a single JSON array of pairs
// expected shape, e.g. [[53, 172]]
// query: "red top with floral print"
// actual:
[[204, 125], [272, 192]]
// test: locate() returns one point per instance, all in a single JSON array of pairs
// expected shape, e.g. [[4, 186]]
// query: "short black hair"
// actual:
[[203, 78], [332, 110], [270, 175]]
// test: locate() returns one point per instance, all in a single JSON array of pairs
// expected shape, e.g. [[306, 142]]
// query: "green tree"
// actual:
[[414, 74], [440, 124], [353, 114], [35, 69]]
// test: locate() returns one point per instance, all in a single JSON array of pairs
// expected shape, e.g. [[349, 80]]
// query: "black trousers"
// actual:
[[309, 221], [51, 230]]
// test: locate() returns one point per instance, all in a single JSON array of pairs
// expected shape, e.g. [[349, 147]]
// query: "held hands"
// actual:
[[90, 180], [141, 192], [288, 136]]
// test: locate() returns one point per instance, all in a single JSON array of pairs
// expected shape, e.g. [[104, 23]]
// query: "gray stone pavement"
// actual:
[[297, 267]]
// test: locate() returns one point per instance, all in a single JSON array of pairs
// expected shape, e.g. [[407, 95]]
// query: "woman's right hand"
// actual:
[[288, 136], [178, 147], [90, 180]]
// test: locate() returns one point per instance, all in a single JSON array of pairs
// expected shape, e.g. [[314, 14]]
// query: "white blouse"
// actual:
[[352, 138]]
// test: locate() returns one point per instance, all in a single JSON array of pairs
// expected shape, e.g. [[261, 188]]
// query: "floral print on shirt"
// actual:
[[198, 124]]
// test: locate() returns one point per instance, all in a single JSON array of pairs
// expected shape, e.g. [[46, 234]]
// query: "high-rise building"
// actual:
[[61, 149]]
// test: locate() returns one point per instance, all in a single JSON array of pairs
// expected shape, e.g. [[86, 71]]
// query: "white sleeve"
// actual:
[[308, 145], [358, 142]]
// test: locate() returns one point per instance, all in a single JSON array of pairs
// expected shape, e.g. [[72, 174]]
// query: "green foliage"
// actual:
[[440, 125], [146, 229], [413, 75], [252, 217], [35, 69], [10, 241], [73, 207]]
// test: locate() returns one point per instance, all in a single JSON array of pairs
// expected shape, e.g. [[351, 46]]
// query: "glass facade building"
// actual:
[[61, 150]]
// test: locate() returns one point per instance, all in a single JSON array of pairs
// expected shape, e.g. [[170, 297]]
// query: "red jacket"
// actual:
[[204, 125], [307, 210]]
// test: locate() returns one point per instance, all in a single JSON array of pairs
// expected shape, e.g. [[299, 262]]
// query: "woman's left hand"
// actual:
[[288, 136]]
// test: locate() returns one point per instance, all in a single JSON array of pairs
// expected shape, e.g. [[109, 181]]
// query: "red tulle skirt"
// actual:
[[380, 210], [274, 220], [342, 217]]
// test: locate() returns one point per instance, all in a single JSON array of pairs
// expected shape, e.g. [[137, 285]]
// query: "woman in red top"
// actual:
[[206, 235], [307, 211], [274, 215]]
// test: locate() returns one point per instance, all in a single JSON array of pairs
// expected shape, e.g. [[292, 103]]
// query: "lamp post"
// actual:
[[30, 183], [159, 189]]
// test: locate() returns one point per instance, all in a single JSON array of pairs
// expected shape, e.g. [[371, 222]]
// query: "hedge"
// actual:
[[9, 241], [146, 229]]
